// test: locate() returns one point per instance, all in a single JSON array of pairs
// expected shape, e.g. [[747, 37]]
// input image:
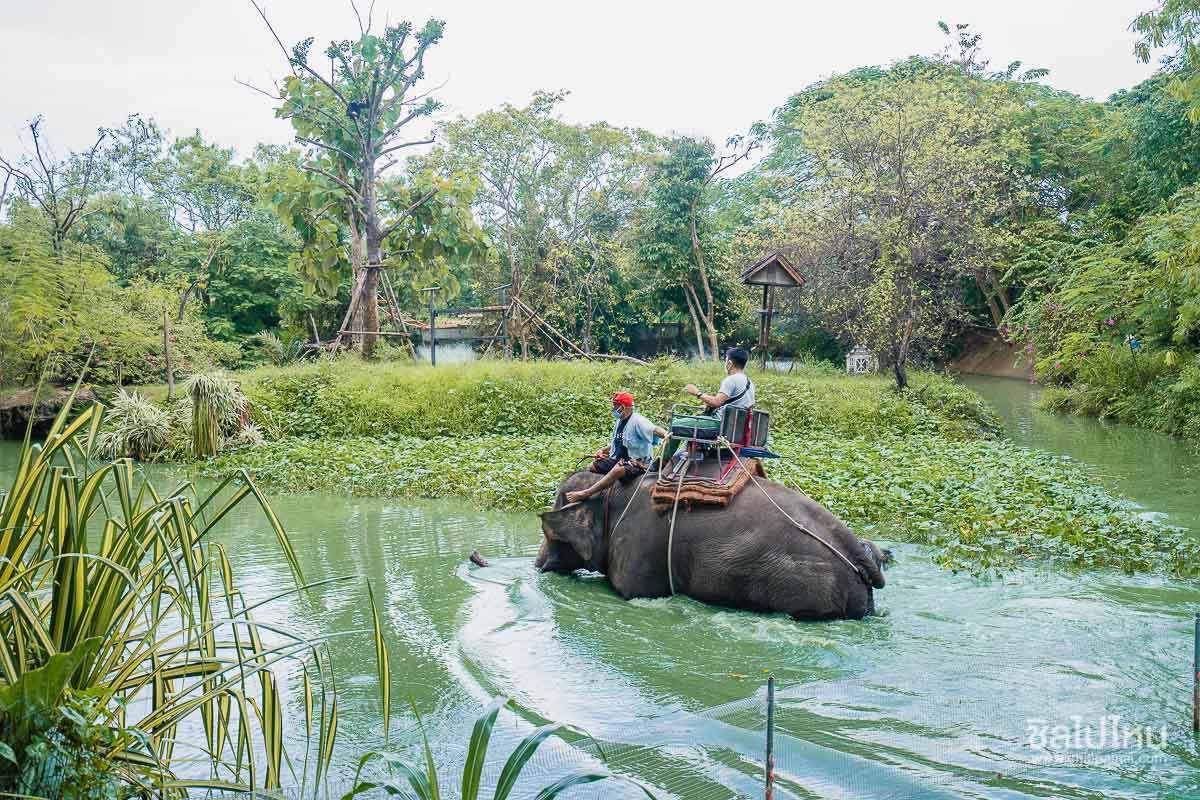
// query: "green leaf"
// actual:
[[519, 758], [481, 735]]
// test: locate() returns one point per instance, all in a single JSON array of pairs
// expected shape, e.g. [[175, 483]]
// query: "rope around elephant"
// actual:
[[725, 442]]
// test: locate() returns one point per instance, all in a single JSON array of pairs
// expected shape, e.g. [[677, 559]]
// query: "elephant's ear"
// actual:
[[571, 525]]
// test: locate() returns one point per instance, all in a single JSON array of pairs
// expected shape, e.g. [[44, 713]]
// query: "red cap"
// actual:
[[623, 399]]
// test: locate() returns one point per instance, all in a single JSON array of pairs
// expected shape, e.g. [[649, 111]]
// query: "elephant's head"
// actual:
[[572, 535]]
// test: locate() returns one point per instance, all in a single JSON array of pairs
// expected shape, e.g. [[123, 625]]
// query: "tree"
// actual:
[[554, 197], [902, 178], [672, 232], [1174, 23], [61, 188], [352, 120]]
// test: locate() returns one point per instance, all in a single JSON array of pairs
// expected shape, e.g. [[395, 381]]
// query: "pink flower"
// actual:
[[1029, 347], [1058, 365], [1110, 322]]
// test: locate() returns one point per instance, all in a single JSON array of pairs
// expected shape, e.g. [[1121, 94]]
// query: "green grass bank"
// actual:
[[349, 399], [923, 467]]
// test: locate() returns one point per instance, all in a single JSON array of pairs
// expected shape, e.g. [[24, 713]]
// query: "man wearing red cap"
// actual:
[[628, 454]]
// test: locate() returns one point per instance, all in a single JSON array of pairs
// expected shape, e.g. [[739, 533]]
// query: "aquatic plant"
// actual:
[[134, 426], [421, 783], [119, 614], [982, 505], [218, 410]]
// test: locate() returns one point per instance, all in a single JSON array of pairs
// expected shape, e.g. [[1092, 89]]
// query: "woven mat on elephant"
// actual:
[[701, 486]]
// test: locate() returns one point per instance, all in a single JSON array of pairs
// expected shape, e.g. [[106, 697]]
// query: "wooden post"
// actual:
[[504, 321], [770, 764], [1196, 677], [167, 355], [316, 336], [764, 326], [431, 291]]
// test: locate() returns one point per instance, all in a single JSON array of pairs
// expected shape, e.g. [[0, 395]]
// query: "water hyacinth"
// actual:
[[981, 505]]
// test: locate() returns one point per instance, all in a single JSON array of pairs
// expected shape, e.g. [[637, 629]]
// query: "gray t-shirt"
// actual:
[[733, 385]]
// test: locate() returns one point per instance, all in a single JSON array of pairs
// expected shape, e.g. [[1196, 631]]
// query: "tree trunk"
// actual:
[[899, 366], [696, 324], [589, 306], [1001, 289], [167, 355], [989, 297], [369, 293], [707, 312], [369, 307]]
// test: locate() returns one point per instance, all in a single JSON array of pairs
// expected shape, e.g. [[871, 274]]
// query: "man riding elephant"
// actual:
[[628, 454], [772, 549]]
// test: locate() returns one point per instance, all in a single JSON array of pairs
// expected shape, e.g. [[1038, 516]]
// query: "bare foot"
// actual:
[[575, 497]]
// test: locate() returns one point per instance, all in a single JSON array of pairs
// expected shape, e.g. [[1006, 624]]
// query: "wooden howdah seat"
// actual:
[[710, 457]]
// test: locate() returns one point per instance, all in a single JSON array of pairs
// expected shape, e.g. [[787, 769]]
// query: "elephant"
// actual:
[[746, 555]]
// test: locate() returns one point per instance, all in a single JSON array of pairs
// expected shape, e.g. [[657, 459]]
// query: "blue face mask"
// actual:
[[616, 413]]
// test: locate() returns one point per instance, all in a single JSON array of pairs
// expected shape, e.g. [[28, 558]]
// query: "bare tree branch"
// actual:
[[263, 92], [340, 182], [425, 198], [329, 147], [262, 12], [362, 31], [396, 147]]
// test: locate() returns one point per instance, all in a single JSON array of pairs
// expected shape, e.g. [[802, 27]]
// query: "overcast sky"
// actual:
[[694, 67]]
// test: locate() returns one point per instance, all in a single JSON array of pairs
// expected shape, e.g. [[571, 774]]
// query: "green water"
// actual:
[[934, 698], [1159, 472]]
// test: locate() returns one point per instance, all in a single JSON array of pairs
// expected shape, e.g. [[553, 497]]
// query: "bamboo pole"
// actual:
[[316, 335]]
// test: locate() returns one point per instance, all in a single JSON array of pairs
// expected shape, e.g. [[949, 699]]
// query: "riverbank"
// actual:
[[922, 467], [348, 399], [1147, 389]]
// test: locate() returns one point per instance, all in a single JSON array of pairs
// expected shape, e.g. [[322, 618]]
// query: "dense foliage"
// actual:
[[519, 400]]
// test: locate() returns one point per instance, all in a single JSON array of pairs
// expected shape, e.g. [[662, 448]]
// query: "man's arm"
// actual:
[[711, 400]]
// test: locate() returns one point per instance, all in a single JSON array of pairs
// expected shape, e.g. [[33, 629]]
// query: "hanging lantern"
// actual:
[[861, 361]]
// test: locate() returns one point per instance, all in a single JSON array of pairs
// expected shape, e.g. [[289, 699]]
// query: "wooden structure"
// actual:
[[512, 312], [770, 272]]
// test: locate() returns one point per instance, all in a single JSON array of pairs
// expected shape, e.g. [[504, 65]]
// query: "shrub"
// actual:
[[58, 751], [348, 398], [219, 410], [134, 427], [1157, 390]]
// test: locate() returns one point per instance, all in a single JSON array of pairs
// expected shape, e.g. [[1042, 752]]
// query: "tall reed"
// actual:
[[113, 591]]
